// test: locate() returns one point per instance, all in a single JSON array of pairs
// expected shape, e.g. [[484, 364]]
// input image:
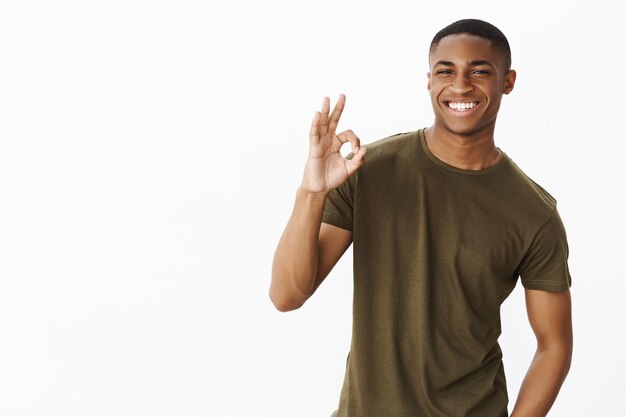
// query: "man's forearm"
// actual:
[[542, 382], [295, 261]]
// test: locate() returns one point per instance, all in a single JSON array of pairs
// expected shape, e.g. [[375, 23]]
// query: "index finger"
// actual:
[[336, 114]]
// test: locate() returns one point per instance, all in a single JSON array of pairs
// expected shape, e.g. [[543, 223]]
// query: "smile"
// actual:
[[461, 106]]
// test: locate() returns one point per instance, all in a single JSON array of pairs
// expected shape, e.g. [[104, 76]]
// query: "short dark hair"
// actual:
[[478, 28]]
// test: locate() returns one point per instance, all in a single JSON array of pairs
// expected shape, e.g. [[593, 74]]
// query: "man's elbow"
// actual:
[[285, 303], [560, 351], [569, 355]]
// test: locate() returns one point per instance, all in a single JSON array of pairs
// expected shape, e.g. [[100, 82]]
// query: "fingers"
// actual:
[[350, 136], [322, 122], [314, 132], [358, 152], [336, 114], [357, 160], [324, 118]]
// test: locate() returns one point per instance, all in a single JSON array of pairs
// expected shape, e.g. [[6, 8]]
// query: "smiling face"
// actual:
[[466, 81]]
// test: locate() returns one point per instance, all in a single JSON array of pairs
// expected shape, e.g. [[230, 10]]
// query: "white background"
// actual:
[[149, 157]]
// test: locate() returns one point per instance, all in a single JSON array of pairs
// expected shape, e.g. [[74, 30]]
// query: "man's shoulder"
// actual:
[[395, 150], [392, 143], [528, 193]]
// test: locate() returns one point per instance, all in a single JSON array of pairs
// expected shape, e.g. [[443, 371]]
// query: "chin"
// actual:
[[461, 129]]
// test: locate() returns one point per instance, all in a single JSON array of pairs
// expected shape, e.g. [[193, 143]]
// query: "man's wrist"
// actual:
[[312, 196]]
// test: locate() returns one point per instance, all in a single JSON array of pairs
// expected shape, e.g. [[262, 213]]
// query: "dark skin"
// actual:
[[466, 72], [465, 69]]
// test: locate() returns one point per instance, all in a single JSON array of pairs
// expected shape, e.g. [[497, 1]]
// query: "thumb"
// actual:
[[357, 160]]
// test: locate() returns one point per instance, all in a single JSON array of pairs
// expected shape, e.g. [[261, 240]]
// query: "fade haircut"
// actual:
[[478, 28]]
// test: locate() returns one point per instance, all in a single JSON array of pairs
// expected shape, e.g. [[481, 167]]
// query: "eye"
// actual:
[[480, 72], [444, 72]]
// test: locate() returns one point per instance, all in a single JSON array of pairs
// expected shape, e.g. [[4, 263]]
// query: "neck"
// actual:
[[472, 152]]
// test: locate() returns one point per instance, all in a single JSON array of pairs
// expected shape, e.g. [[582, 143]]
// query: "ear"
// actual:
[[428, 84], [509, 81]]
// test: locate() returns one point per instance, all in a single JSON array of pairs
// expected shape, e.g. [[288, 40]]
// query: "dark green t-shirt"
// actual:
[[436, 250]]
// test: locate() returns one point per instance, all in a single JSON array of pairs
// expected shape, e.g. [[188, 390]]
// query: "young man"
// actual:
[[443, 223]]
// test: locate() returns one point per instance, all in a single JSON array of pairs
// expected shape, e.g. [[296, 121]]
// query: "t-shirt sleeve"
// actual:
[[339, 206], [545, 265]]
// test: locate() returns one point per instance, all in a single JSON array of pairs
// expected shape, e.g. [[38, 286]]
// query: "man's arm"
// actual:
[[308, 248], [306, 253], [550, 316]]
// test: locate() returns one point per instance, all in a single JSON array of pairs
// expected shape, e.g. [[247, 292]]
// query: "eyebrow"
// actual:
[[472, 63]]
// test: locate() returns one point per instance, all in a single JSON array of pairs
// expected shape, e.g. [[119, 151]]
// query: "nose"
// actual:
[[460, 85]]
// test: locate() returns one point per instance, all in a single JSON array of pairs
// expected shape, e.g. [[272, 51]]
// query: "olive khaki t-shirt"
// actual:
[[436, 251]]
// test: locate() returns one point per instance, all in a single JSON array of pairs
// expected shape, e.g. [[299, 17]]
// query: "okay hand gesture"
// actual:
[[325, 168]]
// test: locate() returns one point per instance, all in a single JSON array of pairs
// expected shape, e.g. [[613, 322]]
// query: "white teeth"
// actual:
[[461, 106]]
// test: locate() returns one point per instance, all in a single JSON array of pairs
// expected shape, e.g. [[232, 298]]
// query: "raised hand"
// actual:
[[325, 168]]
